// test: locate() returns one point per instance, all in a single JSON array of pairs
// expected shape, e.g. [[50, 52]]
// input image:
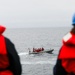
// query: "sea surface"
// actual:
[[24, 38]]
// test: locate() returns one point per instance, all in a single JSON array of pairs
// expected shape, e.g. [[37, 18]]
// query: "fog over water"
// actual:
[[36, 13]]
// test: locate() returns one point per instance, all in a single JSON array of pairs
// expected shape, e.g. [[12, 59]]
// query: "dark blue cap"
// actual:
[[73, 20]]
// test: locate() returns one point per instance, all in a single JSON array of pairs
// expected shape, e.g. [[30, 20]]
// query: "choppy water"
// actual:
[[24, 38]]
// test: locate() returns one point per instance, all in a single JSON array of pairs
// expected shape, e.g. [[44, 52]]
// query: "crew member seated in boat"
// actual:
[[33, 49], [38, 50], [42, 49]]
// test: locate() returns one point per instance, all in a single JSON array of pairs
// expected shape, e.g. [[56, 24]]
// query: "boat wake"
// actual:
[[32, 60], [24, 53]]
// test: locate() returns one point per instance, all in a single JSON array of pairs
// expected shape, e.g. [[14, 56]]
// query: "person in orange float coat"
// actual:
[[65, 64], [9, 59]]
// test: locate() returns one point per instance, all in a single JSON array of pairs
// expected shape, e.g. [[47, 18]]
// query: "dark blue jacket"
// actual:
[[59, 70], [15, 65]]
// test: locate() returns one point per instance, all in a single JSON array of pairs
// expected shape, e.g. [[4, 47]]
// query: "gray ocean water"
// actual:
[[24, 38]]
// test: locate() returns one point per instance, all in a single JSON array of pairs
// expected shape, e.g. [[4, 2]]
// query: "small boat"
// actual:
[[49, 51], [44, 51]]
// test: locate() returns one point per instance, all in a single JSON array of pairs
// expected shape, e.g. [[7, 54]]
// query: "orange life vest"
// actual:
[[4, 61], [67, 53]]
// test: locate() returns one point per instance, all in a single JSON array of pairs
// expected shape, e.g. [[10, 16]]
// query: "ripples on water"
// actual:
[[40, 64]]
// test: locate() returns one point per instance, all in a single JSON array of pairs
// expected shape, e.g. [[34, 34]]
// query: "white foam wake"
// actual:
[[24, 53]]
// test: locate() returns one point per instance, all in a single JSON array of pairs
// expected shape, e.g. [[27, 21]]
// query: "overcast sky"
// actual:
[[36, 13]]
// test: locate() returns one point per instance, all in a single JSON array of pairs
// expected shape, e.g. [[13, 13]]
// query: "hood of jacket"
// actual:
[[2, 29], [69, 39]]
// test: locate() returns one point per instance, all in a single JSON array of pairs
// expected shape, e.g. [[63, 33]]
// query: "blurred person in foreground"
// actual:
[[9, 59], [65, 64]]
